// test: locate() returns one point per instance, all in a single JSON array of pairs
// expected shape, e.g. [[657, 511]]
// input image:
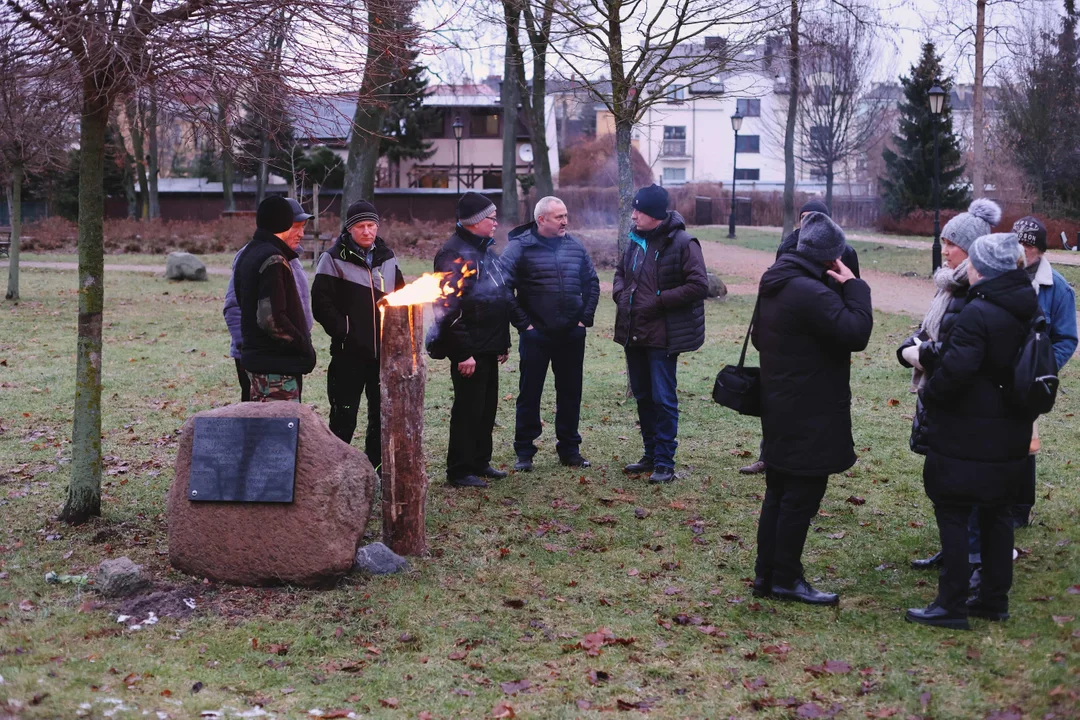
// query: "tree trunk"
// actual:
[[84, 491], [127, 161], [403, 374], [511, 97], [152, 160], [830, 175], [789, 130], [978, 159], [227, 165], [262, 175], [134, 118], [16, 232], [623, 129]]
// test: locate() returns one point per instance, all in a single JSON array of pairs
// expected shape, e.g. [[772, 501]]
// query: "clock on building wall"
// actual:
[[525, 153]]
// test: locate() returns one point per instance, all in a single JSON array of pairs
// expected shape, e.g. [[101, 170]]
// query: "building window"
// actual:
[[748, 107], [674, 141], [820, 140], [492, 179], [822, 95], [434, 179], [677, 93], [748, 143], [747, 174], [674, 176], [484, 124]]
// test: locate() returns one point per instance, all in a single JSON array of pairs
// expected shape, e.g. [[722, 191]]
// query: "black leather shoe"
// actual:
[[977, 609], [927, 563], [755, 468], [575, 461], [662, 475], [644, 465], [523, 464], [762, 587], [492, 473], [467, 481], [803, 592], [936, 616]]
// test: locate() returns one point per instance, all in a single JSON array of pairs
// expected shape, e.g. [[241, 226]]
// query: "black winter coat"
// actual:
[[806, 331], [346, 293], [681, 284], [978, 440], [272, 319], [928, 355], [849, 257], [554, 280], [475, 320]]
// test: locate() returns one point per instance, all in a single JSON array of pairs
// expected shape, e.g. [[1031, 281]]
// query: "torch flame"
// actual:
[[429, 287]]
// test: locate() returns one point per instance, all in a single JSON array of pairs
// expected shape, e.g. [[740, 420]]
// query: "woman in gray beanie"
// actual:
[[977, 449], [952, 289]]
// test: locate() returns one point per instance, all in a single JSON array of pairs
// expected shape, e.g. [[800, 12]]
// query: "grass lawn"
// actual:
[[520, 573]]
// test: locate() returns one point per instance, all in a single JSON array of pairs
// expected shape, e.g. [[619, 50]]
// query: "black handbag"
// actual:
[[739, 387]]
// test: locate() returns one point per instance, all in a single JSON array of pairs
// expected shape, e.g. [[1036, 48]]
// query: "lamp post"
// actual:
[[458, 127], [736, 123], [937, 102]]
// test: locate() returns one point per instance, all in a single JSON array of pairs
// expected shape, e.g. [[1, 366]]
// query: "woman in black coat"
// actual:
[[978, 439], [806, 330]]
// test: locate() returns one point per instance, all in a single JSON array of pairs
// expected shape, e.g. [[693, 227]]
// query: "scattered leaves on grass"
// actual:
[[837, 535], [756, 684], [390, 702], [762, 703], [514, 603], [593, 642], [813, 710], [644, 705], [604, 520], [595, 677], [503, 710], [337, 713], [1061, 620], [885, 712], [513, 687], [277, 649], [583, 704], [893, 402], [672, 590], [1074, 590], [458, 655], [856, 500], [1009, 713], [973, 653], [829, 667]]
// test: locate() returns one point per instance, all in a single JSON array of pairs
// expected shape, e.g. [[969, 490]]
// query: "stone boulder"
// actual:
[[377, 559], [184, 266], [717, 288], [311, 541], [120, 578]]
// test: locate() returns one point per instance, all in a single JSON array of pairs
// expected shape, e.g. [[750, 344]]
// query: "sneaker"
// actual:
[[575, 461], [662, 475], [644, 465], [467, 481], [523, 464]]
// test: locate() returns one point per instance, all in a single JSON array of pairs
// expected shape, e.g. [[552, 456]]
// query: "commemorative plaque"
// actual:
[[243, 460]]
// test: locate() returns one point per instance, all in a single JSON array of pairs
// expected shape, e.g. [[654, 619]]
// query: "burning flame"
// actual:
[[429, 287]]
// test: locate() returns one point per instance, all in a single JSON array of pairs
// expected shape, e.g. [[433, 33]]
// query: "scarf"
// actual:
[[948, 281]]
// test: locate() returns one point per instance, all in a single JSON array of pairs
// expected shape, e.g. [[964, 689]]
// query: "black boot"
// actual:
[[936, 616], [467, 481], [523, 464], [803, 592], [644, 465], [575, 460], [927, 563], [976, 608], [492, 473], [662, 475], [762, 587]]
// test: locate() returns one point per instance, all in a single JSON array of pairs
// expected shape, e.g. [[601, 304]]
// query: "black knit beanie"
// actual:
[[653, 201], [474, 207], [815, 206], [360, 211], [274, 215], [1030, 231]]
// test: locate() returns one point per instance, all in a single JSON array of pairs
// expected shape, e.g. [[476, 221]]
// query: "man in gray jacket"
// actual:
[[556, 292]]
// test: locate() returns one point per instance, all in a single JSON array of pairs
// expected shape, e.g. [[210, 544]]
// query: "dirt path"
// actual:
[[156, 269]]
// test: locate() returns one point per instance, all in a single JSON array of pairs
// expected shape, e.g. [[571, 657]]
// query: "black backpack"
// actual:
[[1035, 381]]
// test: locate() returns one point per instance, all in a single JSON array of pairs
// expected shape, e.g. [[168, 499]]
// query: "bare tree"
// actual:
[[645, 49], [108, 47], [35, 123], [511, 97], [838, 114], [538, 16]]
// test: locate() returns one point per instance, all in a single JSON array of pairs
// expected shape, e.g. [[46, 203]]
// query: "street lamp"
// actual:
[[458, 127], [937, 102], [736, 123]]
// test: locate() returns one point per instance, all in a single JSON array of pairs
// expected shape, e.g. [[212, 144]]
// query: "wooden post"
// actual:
[[403, 374]]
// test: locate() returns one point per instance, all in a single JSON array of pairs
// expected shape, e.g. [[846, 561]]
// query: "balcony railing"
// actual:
[[673, 148]]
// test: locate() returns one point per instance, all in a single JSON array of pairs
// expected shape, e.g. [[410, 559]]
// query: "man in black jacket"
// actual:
[[659, 290], [351, 279], [472, 328], [812, 314], [850, 258], [556, 295], [276, 350]]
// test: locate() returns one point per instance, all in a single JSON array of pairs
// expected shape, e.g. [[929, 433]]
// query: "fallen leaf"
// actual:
[[1062, 619], [513, 687], [893, 402], [810, 710], [338, 713], [837, 535], [390, 702], [514, 603], [584, 704], [856, 500], [829, 667], [672, 590], [632, 572], [643, 705], [973, 653], [503, 710], [457, 655], [595, 677], [1074, 590], [277, 649]]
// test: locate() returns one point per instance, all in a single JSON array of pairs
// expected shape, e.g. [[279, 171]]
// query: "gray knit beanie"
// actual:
[[820, 238], [994, 255], [981, 216]]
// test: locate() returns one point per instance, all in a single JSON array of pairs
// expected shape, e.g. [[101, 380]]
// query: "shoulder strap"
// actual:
[[746, 340]]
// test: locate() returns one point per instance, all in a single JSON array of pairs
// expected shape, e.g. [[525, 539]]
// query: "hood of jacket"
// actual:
[[790, 266], [666, 229], [269, 237], [1011, 292]]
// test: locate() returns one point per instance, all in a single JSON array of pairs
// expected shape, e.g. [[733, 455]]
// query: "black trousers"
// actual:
[[245, 382], [791, 502], [996, 524], [565, 352], [347, 379], [472, 418]]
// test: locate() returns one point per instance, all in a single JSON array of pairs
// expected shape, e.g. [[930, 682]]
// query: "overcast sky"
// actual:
[[909, 24]]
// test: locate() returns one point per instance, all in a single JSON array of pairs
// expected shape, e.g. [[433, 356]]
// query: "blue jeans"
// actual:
[[565, 352], [652, 380]]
